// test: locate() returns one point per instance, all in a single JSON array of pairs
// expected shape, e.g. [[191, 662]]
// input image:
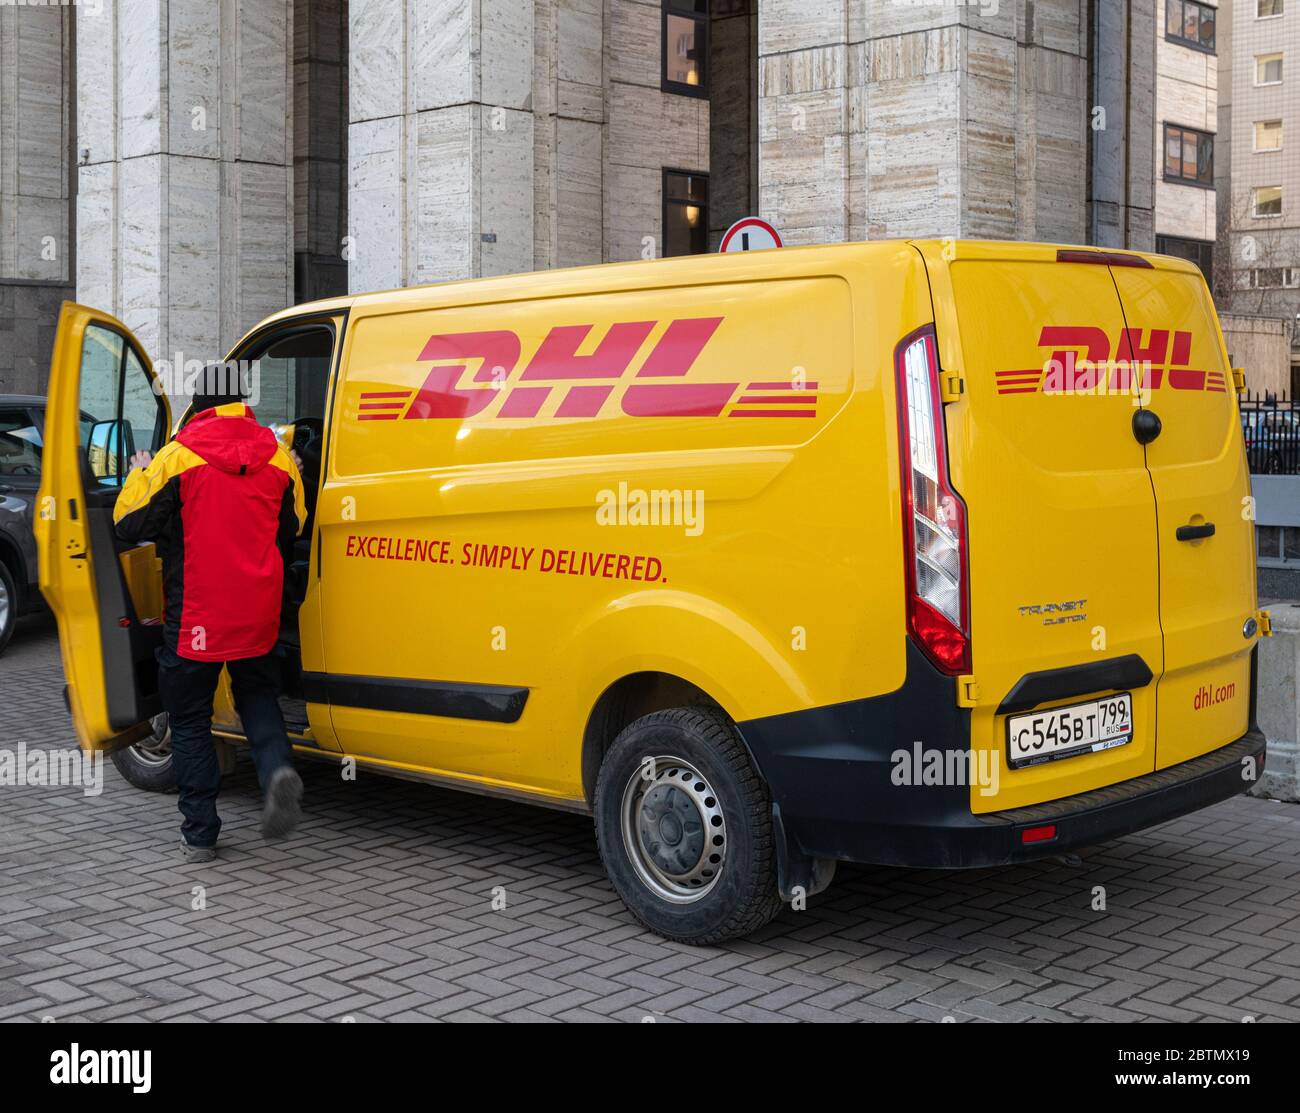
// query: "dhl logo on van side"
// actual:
[[1065, 373], [583, 383]]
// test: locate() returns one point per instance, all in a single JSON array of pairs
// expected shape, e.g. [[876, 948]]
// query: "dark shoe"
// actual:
[[283, 808], [198, 853]]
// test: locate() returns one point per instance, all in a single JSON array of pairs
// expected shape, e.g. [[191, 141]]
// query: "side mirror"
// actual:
[[110, 445]]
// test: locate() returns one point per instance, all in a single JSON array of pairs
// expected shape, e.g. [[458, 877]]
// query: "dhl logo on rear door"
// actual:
[[583, 384], [1080, 363]]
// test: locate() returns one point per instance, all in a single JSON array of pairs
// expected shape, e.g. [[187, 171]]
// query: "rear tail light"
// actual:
[[934, 517]]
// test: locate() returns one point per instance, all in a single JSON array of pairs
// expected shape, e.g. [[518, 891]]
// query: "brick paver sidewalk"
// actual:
[[381, 907]]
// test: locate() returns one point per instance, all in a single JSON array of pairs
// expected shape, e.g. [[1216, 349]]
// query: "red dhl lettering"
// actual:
[[1080, 362], [584, 383]]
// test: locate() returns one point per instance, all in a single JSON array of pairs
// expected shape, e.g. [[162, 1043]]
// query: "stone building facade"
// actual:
[[1188, 148], [201, 163], [1262, 204]]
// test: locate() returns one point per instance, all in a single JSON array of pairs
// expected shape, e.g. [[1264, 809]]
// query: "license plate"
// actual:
[[1080, 728]]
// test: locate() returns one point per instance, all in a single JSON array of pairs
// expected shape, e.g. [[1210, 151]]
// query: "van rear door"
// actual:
[[1202, 487], [1064, 569]]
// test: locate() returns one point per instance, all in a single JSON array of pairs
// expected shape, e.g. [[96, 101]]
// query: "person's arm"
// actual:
[[293, 505], [150, 497]]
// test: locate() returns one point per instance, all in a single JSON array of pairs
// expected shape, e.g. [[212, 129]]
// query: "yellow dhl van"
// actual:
[[929, 554]]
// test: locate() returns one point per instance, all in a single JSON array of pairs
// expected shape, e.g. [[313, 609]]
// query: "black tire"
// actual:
[[9, 603], [742, 896], [148, 764]]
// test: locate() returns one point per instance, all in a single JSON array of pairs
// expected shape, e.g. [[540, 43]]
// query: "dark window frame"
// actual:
[[665, 201], [703, 28], [1205, 249], [1182, 40], [1180, 179]]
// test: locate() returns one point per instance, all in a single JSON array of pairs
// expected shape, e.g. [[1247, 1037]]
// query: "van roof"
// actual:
[[738, 266]]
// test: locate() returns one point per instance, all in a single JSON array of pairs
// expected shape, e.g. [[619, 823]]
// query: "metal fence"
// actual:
[[1271, 425]]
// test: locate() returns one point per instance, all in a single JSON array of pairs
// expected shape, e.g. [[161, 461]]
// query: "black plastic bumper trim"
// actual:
[[831, 773]]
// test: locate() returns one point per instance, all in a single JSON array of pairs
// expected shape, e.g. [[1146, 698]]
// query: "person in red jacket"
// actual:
[[223, 502]]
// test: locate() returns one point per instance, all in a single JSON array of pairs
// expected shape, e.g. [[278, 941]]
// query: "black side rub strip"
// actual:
[[493, 703], [1075, 680]]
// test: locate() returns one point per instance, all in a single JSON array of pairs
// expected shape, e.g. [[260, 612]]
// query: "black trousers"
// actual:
[[187, 688]]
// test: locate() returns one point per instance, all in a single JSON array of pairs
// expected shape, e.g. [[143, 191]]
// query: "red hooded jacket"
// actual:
[[223, 501]]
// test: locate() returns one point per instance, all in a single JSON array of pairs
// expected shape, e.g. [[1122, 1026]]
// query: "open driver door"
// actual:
[[106, 595]]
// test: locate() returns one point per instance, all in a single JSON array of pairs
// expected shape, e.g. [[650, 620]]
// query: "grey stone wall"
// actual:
[[185, 157], [320, 138], [882, 119], [1121, 184], [36, 250], [29, 312], [733, 115]]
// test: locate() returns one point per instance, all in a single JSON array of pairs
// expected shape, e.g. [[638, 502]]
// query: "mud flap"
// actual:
[[794, 868]]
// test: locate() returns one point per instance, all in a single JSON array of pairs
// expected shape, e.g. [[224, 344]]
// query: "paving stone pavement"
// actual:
[[381, 908]]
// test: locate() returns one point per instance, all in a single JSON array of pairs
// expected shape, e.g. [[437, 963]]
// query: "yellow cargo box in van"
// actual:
[[929, 554]]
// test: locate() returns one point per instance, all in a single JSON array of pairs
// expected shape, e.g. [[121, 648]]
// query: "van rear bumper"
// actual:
[[829, 770]]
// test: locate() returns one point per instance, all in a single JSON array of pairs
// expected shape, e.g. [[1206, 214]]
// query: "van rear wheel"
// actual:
[[148, 764], [684, 826]]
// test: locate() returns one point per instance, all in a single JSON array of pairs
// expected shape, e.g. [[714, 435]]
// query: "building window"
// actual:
[[1189, 156], [686, 47], [1267, 200], [686, 213], [1267, 9], [1199, 252], [1190, 24], [1275, 278], [1268, 135], [1268, 69]]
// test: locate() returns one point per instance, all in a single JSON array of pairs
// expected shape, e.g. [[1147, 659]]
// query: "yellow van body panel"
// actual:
[[1073, 554], [687, 471], [774, 598]]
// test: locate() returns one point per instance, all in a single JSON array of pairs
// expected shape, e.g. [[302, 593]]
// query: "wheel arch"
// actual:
[[627, 699], [11, 557]]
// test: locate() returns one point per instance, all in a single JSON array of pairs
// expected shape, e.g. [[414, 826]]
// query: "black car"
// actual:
[[1272, 440], [22, 424]]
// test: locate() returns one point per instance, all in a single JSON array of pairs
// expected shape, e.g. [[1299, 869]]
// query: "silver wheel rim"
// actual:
[[157, 748], [4, 605], [674, 831]]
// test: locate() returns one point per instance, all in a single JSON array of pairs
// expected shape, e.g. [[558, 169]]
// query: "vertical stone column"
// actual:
[[810, 151], [880, 119], [185, 156], [733, 115], [440, 140], [647, 131], [320, 134], [36, 251], [1122, 152], [569, 136]]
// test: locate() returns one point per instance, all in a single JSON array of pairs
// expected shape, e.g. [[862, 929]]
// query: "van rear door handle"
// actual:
[[1194, 533]]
